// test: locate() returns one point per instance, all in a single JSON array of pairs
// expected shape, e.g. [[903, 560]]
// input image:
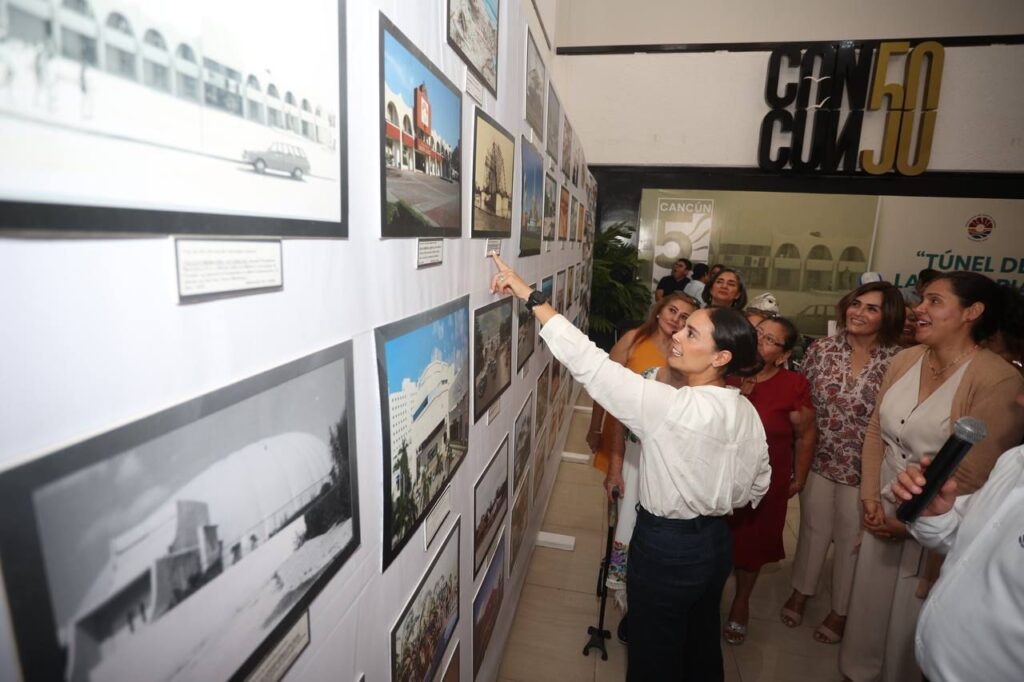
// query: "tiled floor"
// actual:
[[558, 601]]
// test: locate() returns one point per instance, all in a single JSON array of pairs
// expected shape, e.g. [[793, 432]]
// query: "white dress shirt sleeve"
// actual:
[[641, 405], [939, 532]]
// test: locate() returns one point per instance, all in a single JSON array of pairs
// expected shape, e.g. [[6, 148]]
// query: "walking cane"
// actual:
[[598, 635]]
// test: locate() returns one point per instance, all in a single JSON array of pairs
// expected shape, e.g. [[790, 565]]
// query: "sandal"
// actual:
[[734, 633], [826, 635], [789, 617]]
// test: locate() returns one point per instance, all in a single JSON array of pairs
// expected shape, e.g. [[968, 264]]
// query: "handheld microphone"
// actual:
[[966, 432]]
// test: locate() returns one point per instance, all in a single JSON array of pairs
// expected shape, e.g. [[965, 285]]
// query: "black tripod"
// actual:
[[598, 635]]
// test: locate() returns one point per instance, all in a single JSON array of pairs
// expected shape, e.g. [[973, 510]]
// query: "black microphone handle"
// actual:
[[942, 467]]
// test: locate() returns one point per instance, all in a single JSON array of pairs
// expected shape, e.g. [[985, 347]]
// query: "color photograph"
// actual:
[[539, 460], [422, 633], [492, 354], [550, 207], [526, 334], [187, 543], [533, 200], [520, 519], [421, 142], [473, 34], [543, 388], [580, 222], [490, 502], [487, 605], [451, 673], [494, 153], [554, 116], [574, 216], [423, 370], [563, 214], [536, 87], [571, 283], [560, 292], [139, 118], [567, 142], [556, 384], [523, 442]]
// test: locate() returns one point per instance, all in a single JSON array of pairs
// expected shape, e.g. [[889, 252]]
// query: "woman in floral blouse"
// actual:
[[844, 372]]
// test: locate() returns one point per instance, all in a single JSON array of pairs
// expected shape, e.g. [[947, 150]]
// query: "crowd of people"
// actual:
[[710, 429]]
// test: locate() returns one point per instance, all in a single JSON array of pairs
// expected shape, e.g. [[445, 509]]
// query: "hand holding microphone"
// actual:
[[919, 488]]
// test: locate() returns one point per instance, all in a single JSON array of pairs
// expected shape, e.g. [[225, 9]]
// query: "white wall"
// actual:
[[615, 22], [93, 337]]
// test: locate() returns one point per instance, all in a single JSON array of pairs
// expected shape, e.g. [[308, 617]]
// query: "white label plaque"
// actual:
[[493, 412], [429, 252], [493, 245], [474, 88], [217, 266], [436, 517], [277, 662]]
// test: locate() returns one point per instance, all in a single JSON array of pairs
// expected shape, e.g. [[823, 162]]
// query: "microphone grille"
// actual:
[[970, 429]]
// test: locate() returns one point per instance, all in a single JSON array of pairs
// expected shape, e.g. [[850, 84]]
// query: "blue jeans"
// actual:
[[674, 579]]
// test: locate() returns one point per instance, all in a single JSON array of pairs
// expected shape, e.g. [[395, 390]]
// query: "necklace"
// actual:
[[936, 373]]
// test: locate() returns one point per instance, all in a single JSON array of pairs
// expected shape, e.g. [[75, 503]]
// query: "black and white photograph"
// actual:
[[567, 142], [494, 153], [421, 634], [532, 192], [142, 116], [473, 34], [554, 117], [550, 207], [520, 520], [186, 543], [492, 354], [423, 369], [490, 503], [526, 334], [522, 447], [543, 386], [421, 142], [487, 605], [536, 87]]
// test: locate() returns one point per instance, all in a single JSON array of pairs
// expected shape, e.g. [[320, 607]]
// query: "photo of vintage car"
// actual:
[[279, 156]]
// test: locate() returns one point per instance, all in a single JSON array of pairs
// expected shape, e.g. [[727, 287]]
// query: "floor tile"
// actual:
[[576, 570]]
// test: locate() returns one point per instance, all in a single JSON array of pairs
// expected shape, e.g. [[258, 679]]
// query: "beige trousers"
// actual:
[[830, 512], [878, 644]]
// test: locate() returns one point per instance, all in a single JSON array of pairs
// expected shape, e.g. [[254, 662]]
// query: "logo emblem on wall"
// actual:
[[808, 133], [980, 227]]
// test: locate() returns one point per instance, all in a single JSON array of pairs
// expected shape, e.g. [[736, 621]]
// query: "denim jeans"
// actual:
[[674, 579]]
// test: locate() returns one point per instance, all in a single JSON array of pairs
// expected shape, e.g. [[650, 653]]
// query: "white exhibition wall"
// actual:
[[93, 337]]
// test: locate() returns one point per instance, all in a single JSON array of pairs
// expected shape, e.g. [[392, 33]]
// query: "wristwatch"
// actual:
[[535, 298]]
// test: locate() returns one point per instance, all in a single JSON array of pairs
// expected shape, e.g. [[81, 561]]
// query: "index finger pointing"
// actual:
[[497, 261]]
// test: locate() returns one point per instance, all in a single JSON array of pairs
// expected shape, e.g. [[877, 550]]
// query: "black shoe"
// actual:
[[620, 631]]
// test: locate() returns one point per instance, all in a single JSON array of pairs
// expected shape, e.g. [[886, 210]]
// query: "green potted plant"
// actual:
[[617, 296]]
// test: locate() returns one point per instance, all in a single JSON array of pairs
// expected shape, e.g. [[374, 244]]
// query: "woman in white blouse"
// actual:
[[704, 453]]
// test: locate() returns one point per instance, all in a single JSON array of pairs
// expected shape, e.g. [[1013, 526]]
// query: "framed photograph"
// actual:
[[574, 168], [487, 604], [563, 214], [423, 369], [556, 384], [526, 334], [539, 460], [543, 386], [185, 544], [490, 502], [547, 286], [473, 34], [554, 116], [492, 354], [560, 291], [536, 86], [523, 443], [581, 221], [567, 141], [422, 633], [494, 153], [451, 672], [421, 142], [533, 200], [148, 121], [574, 216], [550, 207], [520, 519], [571, 283]]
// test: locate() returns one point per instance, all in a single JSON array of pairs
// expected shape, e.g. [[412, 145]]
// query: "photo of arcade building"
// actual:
[[409, 141], [125, 43], [204, 530]]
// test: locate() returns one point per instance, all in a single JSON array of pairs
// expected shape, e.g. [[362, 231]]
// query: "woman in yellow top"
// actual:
[[639, 349]]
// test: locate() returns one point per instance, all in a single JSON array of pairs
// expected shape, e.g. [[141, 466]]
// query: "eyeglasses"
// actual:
[[769, 339]]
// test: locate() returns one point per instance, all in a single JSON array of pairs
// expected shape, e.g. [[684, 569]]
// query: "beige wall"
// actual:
[[631, 22]]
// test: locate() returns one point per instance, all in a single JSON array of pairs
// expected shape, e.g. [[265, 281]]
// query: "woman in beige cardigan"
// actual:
[[925, 390]]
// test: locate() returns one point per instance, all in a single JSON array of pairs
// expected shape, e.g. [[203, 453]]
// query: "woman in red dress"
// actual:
[[783, 401]]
